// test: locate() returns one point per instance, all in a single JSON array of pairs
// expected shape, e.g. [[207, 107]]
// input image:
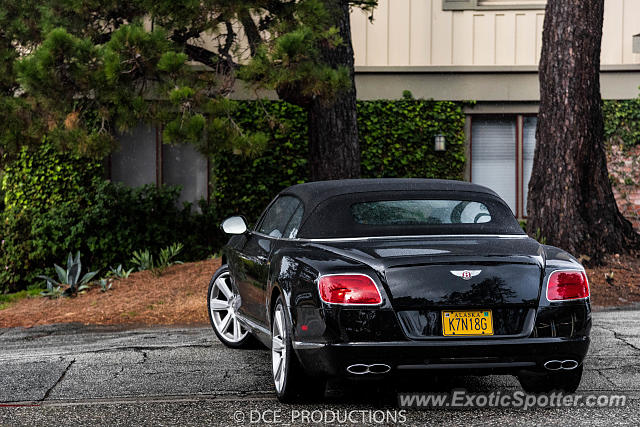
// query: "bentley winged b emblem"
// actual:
[[466, 274]]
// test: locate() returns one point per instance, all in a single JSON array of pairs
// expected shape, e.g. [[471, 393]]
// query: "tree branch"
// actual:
[[251, 30], [209, 58]]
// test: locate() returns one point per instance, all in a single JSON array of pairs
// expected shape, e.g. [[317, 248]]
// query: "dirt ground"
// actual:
[[179, 297], [617, 283]]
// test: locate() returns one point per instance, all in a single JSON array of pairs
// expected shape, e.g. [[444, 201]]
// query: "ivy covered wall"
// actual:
[[622, 135], [396, 140]]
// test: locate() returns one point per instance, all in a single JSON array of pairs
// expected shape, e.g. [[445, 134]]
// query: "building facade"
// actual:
[[482, 50], [487, 51]]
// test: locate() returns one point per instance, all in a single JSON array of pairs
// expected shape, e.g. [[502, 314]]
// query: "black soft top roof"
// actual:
[[327, 205], [312, 193]]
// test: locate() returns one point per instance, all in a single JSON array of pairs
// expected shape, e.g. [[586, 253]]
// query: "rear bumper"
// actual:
[[475, 355]]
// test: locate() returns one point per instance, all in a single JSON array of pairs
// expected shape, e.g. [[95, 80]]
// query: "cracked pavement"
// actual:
[[73, 374]]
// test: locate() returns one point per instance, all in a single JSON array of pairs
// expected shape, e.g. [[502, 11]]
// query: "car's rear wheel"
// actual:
[[289, 378], [222, 302], [564, 380]]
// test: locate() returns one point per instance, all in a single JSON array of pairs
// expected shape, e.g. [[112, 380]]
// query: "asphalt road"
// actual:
[[60, 375]]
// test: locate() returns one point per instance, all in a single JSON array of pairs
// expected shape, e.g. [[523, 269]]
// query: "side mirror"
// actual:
[[234, 225]]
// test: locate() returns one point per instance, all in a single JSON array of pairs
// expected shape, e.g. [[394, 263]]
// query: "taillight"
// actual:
[[567, 285], [349, 289]]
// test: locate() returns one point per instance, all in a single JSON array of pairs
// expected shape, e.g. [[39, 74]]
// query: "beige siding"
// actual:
[[359, 35], [630, 26], [420, 33], [440, 26], [484, 40], [399, 37], [505, 43], [612, 38]]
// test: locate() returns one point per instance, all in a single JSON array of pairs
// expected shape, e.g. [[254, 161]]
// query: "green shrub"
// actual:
[[396, 140], [243, 185], [622, 122], [1, 191], [143, 260], [33, 184], [69, 279], [118, 272], [45, 178], [105, 284], [115, 222], [57, 203]]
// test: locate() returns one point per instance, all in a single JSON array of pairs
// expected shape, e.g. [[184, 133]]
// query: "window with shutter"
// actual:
[[493, 156], [502, 150]]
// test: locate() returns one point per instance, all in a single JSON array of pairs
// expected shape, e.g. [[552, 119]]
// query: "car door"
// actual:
[[254, 256]]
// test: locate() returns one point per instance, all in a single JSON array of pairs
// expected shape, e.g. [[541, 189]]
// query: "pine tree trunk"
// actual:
[[334, 151], [570, 198]]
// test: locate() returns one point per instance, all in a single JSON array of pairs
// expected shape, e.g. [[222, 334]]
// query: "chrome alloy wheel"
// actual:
[[223, 304], [279, 348]]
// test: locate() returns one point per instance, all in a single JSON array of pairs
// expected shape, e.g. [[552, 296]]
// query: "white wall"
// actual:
[[420, 33]]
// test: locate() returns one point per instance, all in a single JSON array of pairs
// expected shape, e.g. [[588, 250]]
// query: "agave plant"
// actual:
[[105, 284], [119, 272], [144, 260], [166, 256], [52, 291], [69, 277]]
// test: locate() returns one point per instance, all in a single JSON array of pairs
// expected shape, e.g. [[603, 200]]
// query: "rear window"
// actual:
[[408, 213], [420, 212]]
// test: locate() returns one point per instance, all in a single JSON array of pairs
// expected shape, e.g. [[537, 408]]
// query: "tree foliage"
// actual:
[[308, 61], [290, 59], [81, 72], [56, 203], [396, 141]]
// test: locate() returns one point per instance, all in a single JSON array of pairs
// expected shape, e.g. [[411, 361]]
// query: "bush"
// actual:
[[622, 122], [55, 206], [396, 140], [45, 178], [57, 203], [33, 184], [116, 222]]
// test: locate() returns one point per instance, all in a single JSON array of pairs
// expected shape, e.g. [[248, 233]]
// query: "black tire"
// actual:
[[245, 339], [296, 384], [565, 381]]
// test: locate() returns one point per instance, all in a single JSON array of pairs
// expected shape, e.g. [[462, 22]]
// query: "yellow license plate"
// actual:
[[477, 322]]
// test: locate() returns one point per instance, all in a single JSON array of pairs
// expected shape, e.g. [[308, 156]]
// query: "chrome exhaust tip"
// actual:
[[379, 368], [358, 369], [362, 369], [553, 365], [556, 365], [569, 364]]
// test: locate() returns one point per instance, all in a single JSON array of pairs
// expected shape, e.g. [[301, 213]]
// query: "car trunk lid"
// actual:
[[453, 271]]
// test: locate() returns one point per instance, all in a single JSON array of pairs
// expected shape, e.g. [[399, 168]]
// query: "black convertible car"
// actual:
[[374, 277]]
